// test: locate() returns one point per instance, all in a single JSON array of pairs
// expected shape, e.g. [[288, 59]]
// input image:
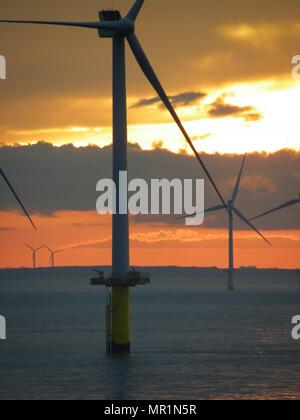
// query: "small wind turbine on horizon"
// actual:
[[17, 198], [113, 26], [52, 255], [34, 252], [234, 211]]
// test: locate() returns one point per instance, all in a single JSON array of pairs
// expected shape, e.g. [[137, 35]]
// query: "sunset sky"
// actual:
[[227, 69]]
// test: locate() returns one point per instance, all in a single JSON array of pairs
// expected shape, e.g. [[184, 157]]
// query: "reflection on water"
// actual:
[[192, 339], [119, 379]]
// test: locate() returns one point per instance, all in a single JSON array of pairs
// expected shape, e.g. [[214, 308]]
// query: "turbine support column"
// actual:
[[120, 314], [230, 283]]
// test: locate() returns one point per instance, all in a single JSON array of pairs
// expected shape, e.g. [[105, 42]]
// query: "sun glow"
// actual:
[[275, 126]]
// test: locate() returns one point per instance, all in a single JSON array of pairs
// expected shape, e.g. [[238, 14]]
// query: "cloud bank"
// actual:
[[222, 109], [52, 179]]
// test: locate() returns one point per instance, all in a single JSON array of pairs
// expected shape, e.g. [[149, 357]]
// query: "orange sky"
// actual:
[[231, 63], [86, 238]]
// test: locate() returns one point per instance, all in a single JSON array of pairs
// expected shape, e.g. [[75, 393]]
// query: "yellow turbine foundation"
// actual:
[[120, 322]]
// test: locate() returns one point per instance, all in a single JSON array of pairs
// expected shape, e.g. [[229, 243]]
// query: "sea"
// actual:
[[192, 339]]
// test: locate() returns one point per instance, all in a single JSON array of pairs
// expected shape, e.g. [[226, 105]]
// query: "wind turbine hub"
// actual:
[[125, 26], [120, 26]]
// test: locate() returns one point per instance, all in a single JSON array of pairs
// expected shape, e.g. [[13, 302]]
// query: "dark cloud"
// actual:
[[221, 109], [51, 179], [182, 99], [147, 102]]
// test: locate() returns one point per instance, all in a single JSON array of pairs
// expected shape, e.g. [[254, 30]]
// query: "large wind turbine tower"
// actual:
[[113, 26]]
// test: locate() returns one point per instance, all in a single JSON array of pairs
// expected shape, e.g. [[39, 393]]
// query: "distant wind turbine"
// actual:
[[234, 211], [112, 25], [17, 198], [283, 206], [52, 256], [34, 252]]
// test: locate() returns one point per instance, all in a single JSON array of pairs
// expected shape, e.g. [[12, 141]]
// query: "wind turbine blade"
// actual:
[[17, 198], [282, 207], [50, 250], [211, 210], [238, 182], [135, 10], [89, 25], [244, 219], [151, 76], [29, 247]]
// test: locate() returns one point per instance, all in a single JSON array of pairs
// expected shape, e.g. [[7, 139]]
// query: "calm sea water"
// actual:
[[191, 338]]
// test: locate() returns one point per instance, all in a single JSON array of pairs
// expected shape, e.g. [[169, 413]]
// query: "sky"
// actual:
[[227, 67]]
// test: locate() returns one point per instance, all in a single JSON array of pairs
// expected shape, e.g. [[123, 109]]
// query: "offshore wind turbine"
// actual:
[[283, 206], [112, 25], [234, 211], [34, 252], [52, 255], [17, 198]]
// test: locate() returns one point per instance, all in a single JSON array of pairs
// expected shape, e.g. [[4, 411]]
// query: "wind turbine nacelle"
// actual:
[[109, 16]]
